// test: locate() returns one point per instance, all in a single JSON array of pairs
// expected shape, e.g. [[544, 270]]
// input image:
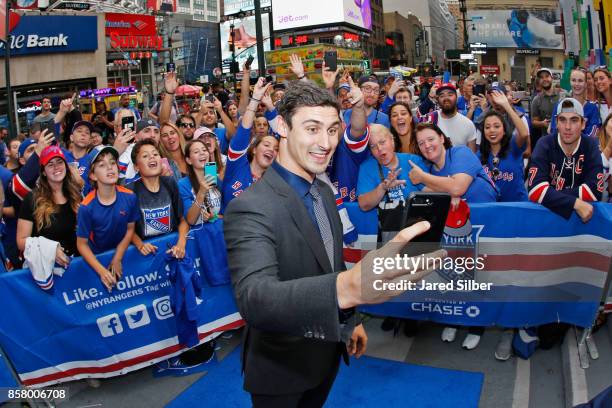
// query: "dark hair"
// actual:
[[184, 116], [45, 97], [301, 94], [193, 179], [256, 142], [97, 130], [139, 145], [396, 138], [485, 146], [600, 96], [426, 125]]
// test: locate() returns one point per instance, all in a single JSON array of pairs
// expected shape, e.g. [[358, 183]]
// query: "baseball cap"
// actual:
[[498, 88], [24, 145], [458, 220], [575, 108], [145, 123], [83, 123], [98, 150], [201, 131], [343, 86], [368, 78], [50, 152], [446, 86], [543, 70]]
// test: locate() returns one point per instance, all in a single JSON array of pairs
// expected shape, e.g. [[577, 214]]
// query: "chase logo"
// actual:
[[109, 325], [472, 311], [137, 316], [156, 221]]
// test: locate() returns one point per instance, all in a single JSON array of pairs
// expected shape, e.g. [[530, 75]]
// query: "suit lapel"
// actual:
[[300, 216]]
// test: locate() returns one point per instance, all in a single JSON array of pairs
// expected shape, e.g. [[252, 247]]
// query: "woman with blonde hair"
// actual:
[[50, 210], [171, 147]]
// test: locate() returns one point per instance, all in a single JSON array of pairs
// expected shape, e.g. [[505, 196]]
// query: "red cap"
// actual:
[[49, 153], [459, 217], [446, 86]]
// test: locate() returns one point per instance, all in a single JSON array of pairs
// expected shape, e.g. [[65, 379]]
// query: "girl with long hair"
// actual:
[[402, 127], [171, 147], [603, 86], [50, 210], [212, 143], [501, 150]]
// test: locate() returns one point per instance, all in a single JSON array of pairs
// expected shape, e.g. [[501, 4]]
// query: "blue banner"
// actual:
[[565, 284], [80, 330], [51, 34]]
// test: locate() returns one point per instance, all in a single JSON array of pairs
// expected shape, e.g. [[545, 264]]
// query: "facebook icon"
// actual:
[[109, 325]]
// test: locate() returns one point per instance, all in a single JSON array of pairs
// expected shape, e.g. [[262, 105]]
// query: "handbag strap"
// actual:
[[382, 179]]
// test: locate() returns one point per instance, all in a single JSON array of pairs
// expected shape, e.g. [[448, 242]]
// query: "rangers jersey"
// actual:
[[556, 179]]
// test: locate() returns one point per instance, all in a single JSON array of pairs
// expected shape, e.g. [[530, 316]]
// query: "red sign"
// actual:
[[352, 37], [162, 5], [130, 24], [489, 69], [389, 41], [127, 42], [301, 39]]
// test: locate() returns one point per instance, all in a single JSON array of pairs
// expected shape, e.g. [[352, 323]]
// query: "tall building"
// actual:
[[454, 8], [201, 10], [439, 24], [403, 38], [374, 45]]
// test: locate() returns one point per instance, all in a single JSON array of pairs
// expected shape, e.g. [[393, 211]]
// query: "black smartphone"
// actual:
[[50, 126], [170, 67], [249, 61], [432, 207], [331, 60], [479, 90], [210, 98], [128, 122]]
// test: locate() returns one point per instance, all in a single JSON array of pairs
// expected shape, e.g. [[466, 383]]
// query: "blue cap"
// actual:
[[343, 86], [24, 145], [98, 150]]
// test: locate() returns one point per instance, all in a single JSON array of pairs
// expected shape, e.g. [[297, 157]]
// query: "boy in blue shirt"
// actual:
[[107, 216]]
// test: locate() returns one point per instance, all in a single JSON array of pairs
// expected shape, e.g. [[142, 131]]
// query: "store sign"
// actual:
[[478, 48], [136, 41], [129, 24], [88, 93], [489, 69], [53, 34], [74, 6], [527, 51], [35, 106]]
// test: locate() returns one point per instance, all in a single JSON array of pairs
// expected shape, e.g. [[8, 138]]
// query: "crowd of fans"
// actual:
[[98, 186]]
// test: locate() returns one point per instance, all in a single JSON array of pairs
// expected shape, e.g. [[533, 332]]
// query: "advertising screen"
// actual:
[[288, 14], [236, 6], [246, 42], [517, 28]]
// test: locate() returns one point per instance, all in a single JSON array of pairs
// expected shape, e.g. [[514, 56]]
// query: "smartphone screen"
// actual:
[[331, 60], [127, 122], [431, 207], [210, 169], [479, 90]]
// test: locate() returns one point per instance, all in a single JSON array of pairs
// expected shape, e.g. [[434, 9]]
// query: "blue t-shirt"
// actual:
[[369, 176], [187, 196], [375, 116], [461, 159], [105, 226], [509, 180], [83, 167], [9, 235], [221, 137]]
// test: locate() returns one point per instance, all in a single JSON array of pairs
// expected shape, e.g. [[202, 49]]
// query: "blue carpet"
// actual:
[[368, 382]]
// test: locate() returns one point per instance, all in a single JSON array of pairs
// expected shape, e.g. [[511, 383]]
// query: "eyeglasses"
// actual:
[[189, 125], [370, 89], [495, 172]]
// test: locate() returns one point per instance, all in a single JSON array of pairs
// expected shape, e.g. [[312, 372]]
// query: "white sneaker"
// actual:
[[471, 341], [449, 334], [503, 351]]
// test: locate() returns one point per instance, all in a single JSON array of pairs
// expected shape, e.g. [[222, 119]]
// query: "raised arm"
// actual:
[[165, 109]]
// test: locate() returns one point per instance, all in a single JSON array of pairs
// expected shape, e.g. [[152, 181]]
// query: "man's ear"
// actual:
[[282, 128]]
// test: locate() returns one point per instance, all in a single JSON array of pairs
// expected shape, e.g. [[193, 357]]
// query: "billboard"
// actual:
[[126, 24], [53, 34], [246, 41], [168, 6], [517, 28], [236, 6], [288, 15]]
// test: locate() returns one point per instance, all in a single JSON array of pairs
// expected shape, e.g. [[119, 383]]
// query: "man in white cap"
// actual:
[[566, 172]]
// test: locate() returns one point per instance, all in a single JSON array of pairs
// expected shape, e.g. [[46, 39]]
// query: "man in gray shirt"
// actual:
[[45, 115], [543, 105]]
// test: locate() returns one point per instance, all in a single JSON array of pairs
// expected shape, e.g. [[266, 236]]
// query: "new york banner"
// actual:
[[80, 330], [538, 268]]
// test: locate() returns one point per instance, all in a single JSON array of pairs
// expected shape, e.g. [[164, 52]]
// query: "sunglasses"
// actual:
[[189, 125], [495, 172]]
